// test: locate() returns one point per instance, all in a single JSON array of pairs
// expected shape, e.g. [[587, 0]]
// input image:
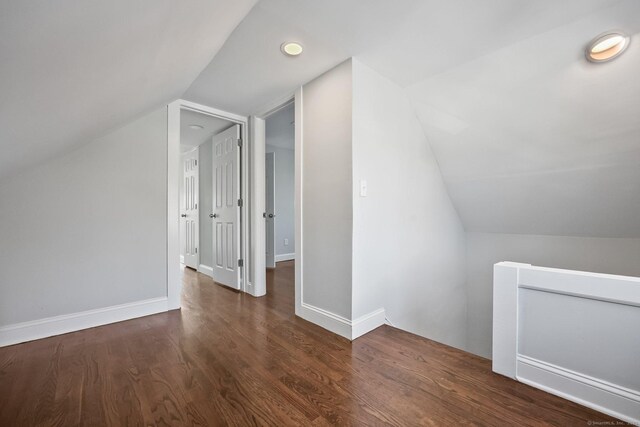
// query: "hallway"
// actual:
[[230, 359]]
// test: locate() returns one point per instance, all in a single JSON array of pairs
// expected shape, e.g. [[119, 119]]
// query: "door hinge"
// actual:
[[240, 143], [240, 202], [196, 163], [196, 250], [240, 263], [196, 206]]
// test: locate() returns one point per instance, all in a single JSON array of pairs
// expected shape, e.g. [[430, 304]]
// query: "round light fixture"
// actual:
[[291, 48], [607, 46], [196, 127]]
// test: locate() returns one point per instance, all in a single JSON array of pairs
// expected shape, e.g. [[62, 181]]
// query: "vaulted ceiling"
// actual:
[[530, 137], [73, 69], [533, 139]]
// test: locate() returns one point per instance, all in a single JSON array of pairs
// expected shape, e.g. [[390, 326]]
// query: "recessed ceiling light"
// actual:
[[291, 48], [607, 46], [196, 127]]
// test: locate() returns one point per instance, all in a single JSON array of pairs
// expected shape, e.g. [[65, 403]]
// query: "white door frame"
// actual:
[[258, 150], [271, 212], [174, 280]]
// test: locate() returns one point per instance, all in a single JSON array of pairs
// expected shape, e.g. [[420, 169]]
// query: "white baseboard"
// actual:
[[350, 329], [57, 325], [285, 257], [603, 396], [205, 269], [367, 323]]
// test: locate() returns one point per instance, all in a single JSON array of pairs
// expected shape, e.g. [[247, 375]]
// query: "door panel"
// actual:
[[189, 217], [226, 236], [270, 206]]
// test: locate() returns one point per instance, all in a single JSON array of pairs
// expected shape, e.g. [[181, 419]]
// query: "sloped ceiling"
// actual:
[[533, 139], [71, 70], [530, 137]]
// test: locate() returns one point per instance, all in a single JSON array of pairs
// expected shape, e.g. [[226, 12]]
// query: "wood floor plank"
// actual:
[[228, 358]]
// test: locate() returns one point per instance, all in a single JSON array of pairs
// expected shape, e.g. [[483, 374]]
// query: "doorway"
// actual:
[[210, 192], [280, 185]]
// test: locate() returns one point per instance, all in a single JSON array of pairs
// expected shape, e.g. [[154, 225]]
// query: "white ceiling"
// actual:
[[280, 128], [529, 136], [533, 139], [72, 70], [190, 138], [405, 40]]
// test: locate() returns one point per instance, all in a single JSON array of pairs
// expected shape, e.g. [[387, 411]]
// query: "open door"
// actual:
[[189, 218], [270, 201], [226, 207]]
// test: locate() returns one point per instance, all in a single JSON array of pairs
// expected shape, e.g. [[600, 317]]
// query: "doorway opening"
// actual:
[[280, 185], [209, 170]]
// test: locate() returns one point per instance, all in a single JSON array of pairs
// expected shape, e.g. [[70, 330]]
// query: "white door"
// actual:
[[270, 206], [226, 210], [189, 218]]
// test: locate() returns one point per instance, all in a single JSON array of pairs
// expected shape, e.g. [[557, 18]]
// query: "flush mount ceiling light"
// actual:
[[607, 46], [291, 48], [196, 127]]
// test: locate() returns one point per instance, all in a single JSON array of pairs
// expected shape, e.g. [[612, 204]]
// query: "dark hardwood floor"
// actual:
[[230, 359]]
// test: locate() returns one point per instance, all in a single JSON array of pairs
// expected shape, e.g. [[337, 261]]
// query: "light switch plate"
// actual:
[[363, 188]]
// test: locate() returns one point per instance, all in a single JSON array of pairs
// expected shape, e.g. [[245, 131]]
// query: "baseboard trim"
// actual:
[[57, 325], [205, 269], [349, 329], [367, 323], [285, 257], [603, 396]]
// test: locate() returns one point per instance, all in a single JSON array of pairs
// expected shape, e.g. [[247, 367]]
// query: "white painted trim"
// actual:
[[298, 202], [326, 319], [367, 323], [174, 282], [57, 325], [340, 325], [181, 259], [285, 257], [205, 269], [603, 396], [257, 246], [601, 287], [505, 318]]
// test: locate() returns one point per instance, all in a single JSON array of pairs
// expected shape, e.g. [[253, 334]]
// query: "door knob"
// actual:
[[183, 215], [213, 215], [272, 216]]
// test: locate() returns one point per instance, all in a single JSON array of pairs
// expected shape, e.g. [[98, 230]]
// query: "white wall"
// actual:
[[326, 187], [601, 255], [408, 242], [285, 197], [87, 229]]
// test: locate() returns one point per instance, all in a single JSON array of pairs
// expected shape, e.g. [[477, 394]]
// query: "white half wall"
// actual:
[[88, 229], [601, 255], [570, 333], [408, 241]]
